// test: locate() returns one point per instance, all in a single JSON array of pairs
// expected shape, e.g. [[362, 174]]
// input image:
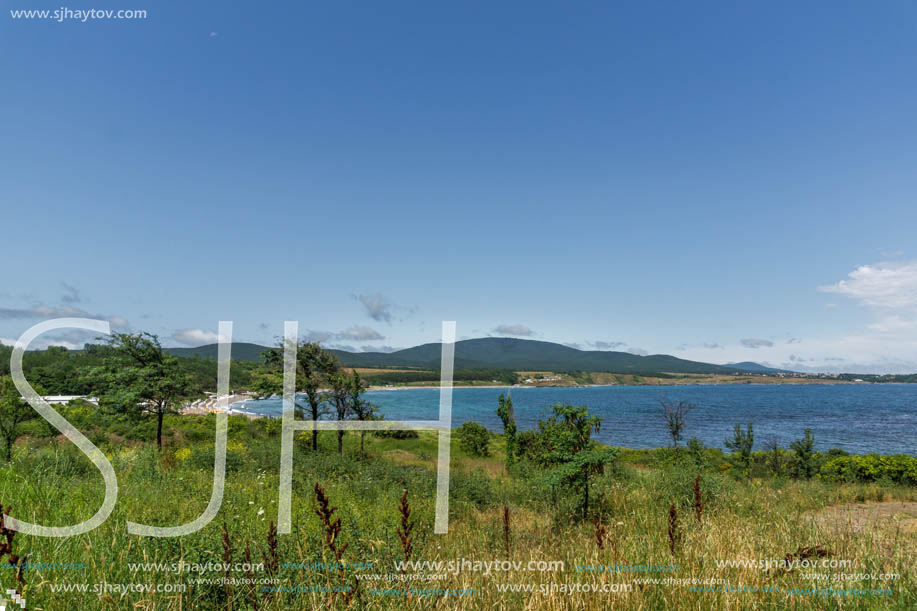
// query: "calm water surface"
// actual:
[[857, 418]]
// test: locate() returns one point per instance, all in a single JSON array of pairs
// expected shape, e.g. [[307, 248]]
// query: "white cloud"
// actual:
[[196, 337], [368, 348], [317, 337], [73, 339], [866, 352], [889, 285], [118, 322], [516, 330], [360, 334], [42, 310], [601, 345], [353, 333], [47, 312], [894, 323], [754, 344]]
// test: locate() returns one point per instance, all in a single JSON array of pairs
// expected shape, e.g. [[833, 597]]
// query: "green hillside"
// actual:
[[240, 350], [498, 353]]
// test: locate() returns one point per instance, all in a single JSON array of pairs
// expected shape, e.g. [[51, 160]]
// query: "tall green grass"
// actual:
[[49, 482]]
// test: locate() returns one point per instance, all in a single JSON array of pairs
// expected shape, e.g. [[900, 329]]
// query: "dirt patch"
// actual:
[[859, 517]]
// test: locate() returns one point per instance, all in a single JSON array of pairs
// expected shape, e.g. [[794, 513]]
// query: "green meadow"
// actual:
[[689, 509]]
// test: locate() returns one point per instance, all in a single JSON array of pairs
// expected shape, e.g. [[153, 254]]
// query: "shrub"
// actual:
[[698, 453], [474, 439], [803, 461], [396, 434], [899, 468], [527, 445]]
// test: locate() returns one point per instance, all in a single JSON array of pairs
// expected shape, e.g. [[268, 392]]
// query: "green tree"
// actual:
[[341, 401], [361, 410], [314, 365], [139, 377], [741, 444], [14, 410], [568, 449], [804, 449], [774, 460], [508, 416], [474, 439]]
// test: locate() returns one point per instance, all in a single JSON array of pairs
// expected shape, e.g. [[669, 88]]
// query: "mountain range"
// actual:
[[505, 353]]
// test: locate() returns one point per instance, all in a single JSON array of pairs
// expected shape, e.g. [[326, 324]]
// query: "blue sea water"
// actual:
[[857, 418]]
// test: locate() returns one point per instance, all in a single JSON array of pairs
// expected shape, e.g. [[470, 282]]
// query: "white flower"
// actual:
[[261, 511]]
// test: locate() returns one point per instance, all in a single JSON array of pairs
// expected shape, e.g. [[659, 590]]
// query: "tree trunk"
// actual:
[[341, 443], [9, 449], [159, 416], [314, 430], [362, 435]]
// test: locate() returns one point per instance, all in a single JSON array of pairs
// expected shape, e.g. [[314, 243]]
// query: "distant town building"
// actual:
[[65, 399]]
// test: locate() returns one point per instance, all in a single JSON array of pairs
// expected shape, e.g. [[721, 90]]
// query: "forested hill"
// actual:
[[498, 353]]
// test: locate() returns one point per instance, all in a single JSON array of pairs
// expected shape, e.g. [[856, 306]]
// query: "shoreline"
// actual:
[[801, 382], [240, 400]]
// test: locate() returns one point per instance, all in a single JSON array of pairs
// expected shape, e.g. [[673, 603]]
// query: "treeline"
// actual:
[[503, 376], [909, 378], [60, 371]]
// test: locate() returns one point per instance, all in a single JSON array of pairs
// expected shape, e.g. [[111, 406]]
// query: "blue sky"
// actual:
[[711, 181]]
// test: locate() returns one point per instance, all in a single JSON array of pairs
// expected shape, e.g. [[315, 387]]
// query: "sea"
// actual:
[[858, 418]]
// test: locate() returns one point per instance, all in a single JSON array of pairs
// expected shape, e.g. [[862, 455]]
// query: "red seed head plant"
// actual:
[[674, 534], [332, 529], [406, 528], [601, 531], [698, 501], [271, 557], [6, 549], [506, 529]]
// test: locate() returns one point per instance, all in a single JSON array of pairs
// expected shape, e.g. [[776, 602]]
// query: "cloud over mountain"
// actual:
[[514, 330]]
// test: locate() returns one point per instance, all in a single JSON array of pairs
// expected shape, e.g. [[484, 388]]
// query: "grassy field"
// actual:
[[495, 515]]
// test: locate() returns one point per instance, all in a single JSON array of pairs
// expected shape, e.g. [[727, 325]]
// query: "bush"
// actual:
[[528, 445], [474, 439], [397, 434], [899, 468]]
